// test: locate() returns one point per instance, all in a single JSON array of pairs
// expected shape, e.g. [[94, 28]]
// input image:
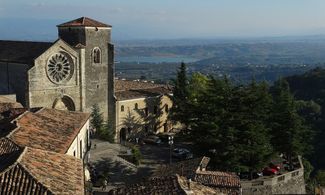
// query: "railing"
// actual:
[[273, 180]]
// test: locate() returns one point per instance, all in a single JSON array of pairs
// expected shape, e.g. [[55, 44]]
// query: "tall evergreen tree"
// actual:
[[96, 117], [180, 96], [289, 133], [251, 116]]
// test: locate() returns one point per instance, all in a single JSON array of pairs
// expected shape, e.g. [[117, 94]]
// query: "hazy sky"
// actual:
[[166, 19]]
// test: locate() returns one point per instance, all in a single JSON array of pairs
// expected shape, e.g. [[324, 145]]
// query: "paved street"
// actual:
[[105, 158]]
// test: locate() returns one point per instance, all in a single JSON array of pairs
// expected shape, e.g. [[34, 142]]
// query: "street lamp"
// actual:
[[170, 142]]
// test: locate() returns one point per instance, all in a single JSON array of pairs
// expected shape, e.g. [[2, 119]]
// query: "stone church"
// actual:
[[73, 73]]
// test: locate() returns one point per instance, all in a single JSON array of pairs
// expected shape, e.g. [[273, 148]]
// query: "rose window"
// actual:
[[59, 68]]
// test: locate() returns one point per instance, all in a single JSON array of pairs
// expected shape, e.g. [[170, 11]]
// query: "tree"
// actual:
[[107, 132], [320, 177], [210, 128], [251, 111], [96, 117], [180, 97], [289, 133]]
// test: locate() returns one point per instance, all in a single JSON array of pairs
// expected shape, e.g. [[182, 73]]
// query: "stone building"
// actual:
[[141, 108], [74, 72]]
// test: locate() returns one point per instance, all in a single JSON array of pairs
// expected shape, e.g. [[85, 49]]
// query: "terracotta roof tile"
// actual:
[[173, 185], [158, 185], [185, 168], [34, 171], [217, 179], [123, 85], [195, 169], [48, 129], [84, 21]]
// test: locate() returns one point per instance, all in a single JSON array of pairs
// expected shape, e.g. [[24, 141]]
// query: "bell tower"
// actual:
[[97, 61]]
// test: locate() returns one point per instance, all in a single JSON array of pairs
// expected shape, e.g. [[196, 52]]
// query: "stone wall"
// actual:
[[97, 77], [42, 91], [288, 183]]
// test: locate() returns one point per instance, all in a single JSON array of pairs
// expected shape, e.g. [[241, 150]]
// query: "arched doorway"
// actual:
[[122, 135], [64, 103]]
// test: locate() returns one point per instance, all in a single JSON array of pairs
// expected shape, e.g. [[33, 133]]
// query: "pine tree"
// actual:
[[96, 117], [251, 116], [289, 133], [107, 132], [180, 97]]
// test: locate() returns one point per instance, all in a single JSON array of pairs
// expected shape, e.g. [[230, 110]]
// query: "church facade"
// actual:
[[73, 73]]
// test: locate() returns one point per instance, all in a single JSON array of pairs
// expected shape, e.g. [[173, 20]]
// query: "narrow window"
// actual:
[[122, 108], [146, 111], [74, 153], [97, 55], [136, 106], [81, 149]]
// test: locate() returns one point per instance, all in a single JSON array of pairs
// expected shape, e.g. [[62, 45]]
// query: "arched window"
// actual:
[[122, 108], [97, 55], [136, 106]]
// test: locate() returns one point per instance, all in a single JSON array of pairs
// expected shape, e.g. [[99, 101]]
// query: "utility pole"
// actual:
[[170, 142]]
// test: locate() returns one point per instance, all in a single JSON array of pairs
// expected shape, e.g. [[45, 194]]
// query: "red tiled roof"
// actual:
[[217, 179], [228, 183], [34, 171], [159, 185], [185, 168], [123, 85], [125, 90], [48, 129], [173, 185], [84, 21]]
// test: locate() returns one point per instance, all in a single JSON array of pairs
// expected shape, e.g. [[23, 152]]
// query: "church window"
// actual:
[[59, 68], [136, 106], [97, 55], [122, 108]]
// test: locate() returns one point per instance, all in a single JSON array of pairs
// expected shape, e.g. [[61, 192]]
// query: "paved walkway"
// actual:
[[105, 158]]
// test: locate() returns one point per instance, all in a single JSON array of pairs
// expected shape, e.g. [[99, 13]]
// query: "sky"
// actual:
[[166, 19]]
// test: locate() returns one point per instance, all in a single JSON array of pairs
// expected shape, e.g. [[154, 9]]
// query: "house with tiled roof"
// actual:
[[141, 108], [26, 170], [64, 132], [173, 185], [196, 170], [73, 73]]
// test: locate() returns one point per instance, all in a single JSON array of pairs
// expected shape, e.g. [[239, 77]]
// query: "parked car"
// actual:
[[152, 139], [182, 153], [275, 166], [267, 171]]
